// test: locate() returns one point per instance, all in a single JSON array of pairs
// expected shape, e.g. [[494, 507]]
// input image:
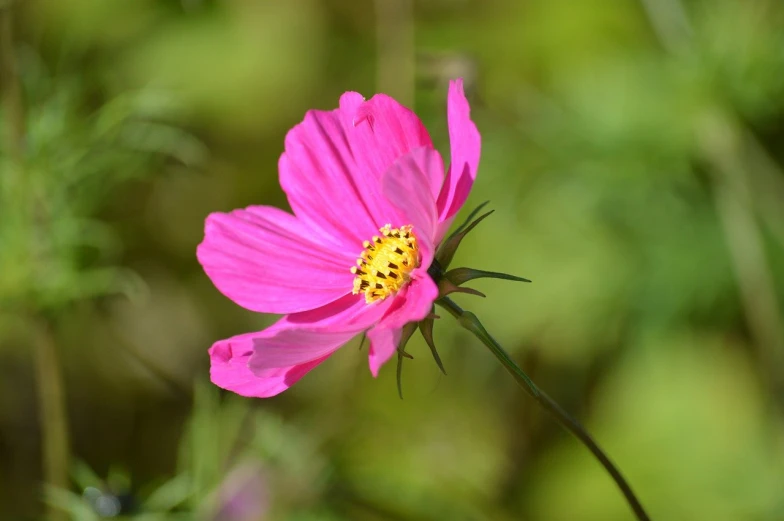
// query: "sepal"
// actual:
[[446, 287], [426, 328], [447, 250], [405, 336], [470, 217], [459, 276]]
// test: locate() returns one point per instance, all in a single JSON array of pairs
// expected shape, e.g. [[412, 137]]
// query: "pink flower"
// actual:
[[371, 204]]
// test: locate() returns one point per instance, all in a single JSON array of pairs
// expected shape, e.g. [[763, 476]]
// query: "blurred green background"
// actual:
[[633, 151]]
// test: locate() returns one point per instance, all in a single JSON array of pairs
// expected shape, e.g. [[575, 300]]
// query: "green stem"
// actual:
[[469, 321], [53, 420], [51, 413]]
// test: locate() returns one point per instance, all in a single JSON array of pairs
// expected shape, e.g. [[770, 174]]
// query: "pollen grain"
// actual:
[[386, 263]]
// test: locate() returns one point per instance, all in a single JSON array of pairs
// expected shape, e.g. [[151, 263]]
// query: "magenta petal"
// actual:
[[326, 188], [347, 173], [385, 130], [460, 193], [413, 303], [265, 260], [406, 188], [282, 347], [333, 163], [383, 344], [229, 369], [349, 313], [465, 144]]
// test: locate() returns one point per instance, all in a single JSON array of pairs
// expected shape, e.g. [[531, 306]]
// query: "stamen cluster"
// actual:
[[385, 265]]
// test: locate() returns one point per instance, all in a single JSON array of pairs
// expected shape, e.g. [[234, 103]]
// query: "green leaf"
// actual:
[[69, 502], [84, 476], [170, 495]]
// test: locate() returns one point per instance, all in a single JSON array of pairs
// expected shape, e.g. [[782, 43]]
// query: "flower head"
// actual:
[[371, 204]]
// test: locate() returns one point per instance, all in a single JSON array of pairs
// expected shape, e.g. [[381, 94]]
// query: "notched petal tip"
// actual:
[[465, 144], [364, 114], [229, 370], [350, 101]]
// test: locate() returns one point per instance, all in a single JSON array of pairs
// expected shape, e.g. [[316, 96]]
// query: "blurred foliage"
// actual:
[[74, 158], [632, 150]]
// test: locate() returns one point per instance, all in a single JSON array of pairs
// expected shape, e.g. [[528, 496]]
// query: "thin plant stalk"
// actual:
[[469, 321], [52, 413], [722, 146], [48, 376]]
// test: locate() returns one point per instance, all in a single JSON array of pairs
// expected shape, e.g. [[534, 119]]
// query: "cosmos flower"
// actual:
[[371, 204]]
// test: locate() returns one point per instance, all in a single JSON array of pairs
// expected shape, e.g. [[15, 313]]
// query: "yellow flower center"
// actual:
[[386, 264]]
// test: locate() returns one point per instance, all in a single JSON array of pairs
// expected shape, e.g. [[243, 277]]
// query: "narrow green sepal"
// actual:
[[447, 250], [460, 275], [405, 336], [470, 217], [426, 328], [362, 342], [404, 354], [408, 330], [446, 287]]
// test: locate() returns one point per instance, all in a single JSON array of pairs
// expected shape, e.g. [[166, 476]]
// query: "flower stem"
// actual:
[[469, 321]]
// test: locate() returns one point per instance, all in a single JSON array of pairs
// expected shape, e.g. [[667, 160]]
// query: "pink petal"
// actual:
[[405, 186], [385, 130], [460, 192], [332, 167], [406, 189], [280, 347], [265, 260], [349, 313], [229, 369], [300, 337], [383, 344], [465, 143], [413, 303], [325, 187]]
